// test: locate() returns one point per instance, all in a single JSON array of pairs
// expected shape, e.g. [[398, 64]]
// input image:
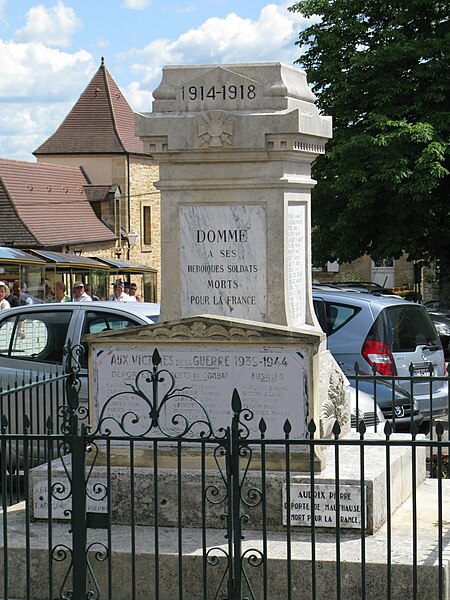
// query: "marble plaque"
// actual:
[[297, 264], [96, 501], [324, 505], [224, 261], [271, 381]]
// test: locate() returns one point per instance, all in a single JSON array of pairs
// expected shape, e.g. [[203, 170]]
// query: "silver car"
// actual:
[[395, 336], [32, 343], [32, 338]]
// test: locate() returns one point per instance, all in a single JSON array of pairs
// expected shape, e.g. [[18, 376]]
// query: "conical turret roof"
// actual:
[[101, 122]]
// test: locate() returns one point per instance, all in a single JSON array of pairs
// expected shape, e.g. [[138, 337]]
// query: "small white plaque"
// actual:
[[271, 381], [324, 505], [96, 501], [224, 261]]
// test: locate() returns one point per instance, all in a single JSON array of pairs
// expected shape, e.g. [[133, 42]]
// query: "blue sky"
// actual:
[[49, 50]]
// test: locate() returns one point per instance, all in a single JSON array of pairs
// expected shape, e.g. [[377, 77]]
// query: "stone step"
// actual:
[[143, 558]]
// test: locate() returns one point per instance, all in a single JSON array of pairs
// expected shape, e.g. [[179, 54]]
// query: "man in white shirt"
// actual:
[[78, 293], [131, 291], [119, 294]]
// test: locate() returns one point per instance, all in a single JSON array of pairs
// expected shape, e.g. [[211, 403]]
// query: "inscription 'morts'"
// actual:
[[221, 235]]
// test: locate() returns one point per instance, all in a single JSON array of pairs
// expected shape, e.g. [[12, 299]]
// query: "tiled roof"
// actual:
[[12, 230], [101, 122], [51, 203], [98, 193]]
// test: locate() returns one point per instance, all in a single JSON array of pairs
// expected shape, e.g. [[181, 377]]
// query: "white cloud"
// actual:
[[102, 43], [136, 4], [232, 39], [54, 26], [24, 128], [2, 11], [138, 98], [39, 87], [186, 9], [33, 72]]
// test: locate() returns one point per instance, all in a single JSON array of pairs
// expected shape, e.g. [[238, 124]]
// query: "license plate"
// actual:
[[421, 373], [421, 369]]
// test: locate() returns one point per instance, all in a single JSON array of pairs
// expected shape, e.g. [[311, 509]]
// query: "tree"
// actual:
[[380, 68]]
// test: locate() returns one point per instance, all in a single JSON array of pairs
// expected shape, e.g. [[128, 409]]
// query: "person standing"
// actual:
[[16, 299], [79, 295], [119, 293], [4, 293], [133, 295], [60, 292]]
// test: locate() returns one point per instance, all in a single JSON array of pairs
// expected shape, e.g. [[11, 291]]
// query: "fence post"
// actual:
[[234, 508], [78, 514], [78, 484]]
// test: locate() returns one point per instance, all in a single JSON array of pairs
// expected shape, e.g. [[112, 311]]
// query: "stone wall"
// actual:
[[361, 270], [143, 173]]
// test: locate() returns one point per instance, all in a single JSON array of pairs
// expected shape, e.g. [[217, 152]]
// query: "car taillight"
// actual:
[[379, 354]]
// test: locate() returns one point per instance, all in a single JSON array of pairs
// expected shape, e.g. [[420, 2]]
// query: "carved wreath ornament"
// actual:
[[335, 406], [215, 130], [199, 329]]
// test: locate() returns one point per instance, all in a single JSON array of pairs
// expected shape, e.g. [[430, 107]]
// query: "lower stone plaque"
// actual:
[[96, 498], [323, 497]]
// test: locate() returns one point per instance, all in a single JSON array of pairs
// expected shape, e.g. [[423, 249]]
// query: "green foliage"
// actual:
[[380, 69]]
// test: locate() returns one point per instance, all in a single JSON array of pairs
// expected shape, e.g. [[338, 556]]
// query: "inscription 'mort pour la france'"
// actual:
[[223, 261]]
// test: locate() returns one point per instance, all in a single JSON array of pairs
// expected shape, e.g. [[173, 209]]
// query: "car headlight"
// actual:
[[416, 406]]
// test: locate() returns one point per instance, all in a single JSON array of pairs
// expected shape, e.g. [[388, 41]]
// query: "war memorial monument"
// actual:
[[235, 145]]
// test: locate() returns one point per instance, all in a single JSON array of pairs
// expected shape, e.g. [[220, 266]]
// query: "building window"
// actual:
[[147, 225]]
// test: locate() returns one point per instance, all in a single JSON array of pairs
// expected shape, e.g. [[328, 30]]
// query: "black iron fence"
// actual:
[[188, 512]]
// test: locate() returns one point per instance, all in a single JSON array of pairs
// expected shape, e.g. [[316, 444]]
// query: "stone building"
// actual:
[[47, 206], [98, 136]]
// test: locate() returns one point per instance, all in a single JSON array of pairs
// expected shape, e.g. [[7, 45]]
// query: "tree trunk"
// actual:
[[444, 277]]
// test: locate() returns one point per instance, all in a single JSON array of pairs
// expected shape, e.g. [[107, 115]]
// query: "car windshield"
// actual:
[[404, 328]]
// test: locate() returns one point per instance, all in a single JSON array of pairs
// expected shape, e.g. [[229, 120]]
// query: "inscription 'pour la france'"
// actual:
[[224, 266]]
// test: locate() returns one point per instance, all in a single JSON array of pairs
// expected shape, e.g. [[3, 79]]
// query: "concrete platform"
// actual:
[[143, 559]]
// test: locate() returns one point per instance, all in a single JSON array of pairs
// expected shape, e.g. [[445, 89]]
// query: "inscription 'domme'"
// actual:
[[223, 266]]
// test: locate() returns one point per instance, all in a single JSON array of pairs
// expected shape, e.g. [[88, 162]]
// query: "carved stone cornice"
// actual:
[[205, 328], [200, 330]]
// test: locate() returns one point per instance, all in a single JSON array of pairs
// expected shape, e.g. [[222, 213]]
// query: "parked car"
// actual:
[[32, 342], [389, 334], [361, 286], [396, 404], [363, 408], [33, 337], [442, 323], [431, 305]]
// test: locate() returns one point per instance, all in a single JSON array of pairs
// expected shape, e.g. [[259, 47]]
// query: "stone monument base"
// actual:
[[142, 557], [272, 487]]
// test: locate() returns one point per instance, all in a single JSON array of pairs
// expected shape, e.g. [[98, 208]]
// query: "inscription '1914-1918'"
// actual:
[[225, 92]]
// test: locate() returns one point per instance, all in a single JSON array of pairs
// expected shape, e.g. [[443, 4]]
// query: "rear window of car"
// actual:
[[403, 328]]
